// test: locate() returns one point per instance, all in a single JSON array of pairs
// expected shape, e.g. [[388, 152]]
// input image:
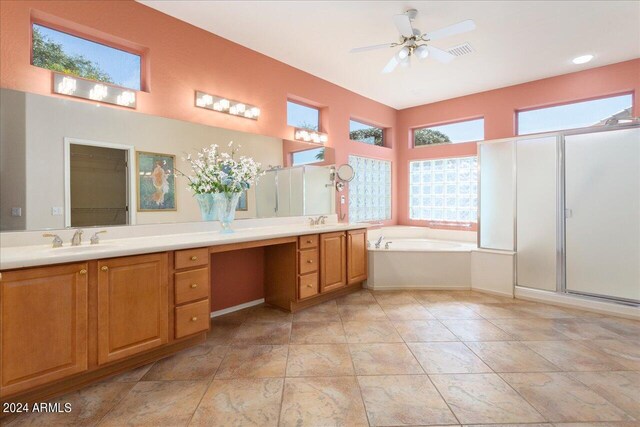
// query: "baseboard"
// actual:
[[420, 288], [237, 307], [492, 292], [576, 301]]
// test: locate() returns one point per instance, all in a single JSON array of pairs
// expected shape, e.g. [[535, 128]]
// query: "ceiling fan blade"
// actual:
[[403, 24], [391, 65], [440, 55], [367, 48], [451, 30]]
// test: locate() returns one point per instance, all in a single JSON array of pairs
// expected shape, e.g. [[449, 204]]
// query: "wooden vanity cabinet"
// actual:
[[357, 266], [133, 305], [44, 326], [333, 261]]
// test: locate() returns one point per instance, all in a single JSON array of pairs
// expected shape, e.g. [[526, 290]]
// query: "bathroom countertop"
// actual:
[[43, 254]]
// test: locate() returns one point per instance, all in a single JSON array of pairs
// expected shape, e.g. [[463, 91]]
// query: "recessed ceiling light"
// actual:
[[582, 59]]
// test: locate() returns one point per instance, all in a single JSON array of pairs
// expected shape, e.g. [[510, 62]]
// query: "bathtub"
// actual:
[[420, 258]]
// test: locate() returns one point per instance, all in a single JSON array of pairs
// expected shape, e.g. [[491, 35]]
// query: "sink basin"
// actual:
[[80, 249]]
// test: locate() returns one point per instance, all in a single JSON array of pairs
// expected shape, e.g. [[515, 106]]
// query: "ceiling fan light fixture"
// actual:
[[422, 52], [403, 53]]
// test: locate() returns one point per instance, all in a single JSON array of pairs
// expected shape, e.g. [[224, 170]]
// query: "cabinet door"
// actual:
[[133, 306], [333, 261], [357, 256], [43, 321]]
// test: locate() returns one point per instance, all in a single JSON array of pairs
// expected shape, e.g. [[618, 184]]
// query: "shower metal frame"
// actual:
[[561, 251]]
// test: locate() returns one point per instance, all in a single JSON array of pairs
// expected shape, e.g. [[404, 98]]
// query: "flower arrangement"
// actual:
[[216, 172]]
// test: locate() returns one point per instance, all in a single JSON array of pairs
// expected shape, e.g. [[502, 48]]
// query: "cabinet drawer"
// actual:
[[308, 261], [308, 285], [191, 258], [192, 318], [191, 285], [309, 241]]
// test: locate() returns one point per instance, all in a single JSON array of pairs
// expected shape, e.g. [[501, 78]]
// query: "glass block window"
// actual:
[[575, 115], [368, 134], [444, 190], [64, 53], [370, 190]]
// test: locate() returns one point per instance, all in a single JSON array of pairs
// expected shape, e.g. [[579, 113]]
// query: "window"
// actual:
[[444, 190], [370, 190], [575, 115], [453, 133], [302, 116], [314, 155], [64, 53], [366, 133]]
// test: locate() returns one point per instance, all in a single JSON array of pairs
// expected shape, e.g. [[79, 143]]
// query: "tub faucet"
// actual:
[[76, 240], [379, 242]]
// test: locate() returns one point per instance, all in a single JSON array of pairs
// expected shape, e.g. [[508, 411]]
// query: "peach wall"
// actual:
[[498, 108], [182, 58]]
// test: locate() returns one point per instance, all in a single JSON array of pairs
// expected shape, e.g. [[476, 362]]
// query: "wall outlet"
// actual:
[[342, 199], [16, 211], [57, 210]]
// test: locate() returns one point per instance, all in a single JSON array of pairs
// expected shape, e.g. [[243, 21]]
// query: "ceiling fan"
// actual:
[[415, 43]]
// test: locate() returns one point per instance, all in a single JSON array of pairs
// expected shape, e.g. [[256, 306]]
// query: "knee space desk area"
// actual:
[[69, 318]]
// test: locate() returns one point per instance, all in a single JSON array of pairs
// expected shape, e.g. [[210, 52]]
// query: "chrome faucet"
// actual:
[[386, 245], [57, 241], [76, 240], [378, 242], [95, 239], [317, 221]]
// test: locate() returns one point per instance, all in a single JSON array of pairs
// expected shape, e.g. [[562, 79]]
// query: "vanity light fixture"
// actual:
[[228, 106], [94, 91], [308, 135]]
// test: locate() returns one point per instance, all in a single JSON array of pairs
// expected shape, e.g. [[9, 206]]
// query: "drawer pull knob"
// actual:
[[194, 318], [83, 271], [104, 268], [194, 285], [310, 261], [194, 258], [309, 285], [309, 241]]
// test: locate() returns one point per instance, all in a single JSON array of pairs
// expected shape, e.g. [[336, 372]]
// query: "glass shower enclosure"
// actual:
[[568, 204], [296, 191]]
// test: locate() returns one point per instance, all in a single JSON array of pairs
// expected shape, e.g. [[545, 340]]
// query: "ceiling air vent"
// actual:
[[462, 49]]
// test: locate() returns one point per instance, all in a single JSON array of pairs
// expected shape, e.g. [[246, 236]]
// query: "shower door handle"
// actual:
[[568, 213]]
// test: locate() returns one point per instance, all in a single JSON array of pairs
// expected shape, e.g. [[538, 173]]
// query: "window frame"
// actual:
[[306, 105], [322, 147], [104, 41], [382, 129], [560, 104], [446, 123], [445, 222]]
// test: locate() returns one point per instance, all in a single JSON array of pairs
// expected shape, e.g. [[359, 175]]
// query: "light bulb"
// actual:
[[217, 106], [582, 59], [126, 98], [233, 110], [403, 53], [240, 108], [99, 92], [225, 104], [207, 99], [324, 138], [422, 51], [67, 86], [255, 111]]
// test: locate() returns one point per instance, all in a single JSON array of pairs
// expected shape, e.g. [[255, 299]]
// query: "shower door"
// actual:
[[602, 214]]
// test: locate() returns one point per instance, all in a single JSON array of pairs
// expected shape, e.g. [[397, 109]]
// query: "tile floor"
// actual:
[[384, 359]]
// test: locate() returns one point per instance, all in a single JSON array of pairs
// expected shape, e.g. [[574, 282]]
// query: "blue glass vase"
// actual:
[[207, 202], [226, 204]]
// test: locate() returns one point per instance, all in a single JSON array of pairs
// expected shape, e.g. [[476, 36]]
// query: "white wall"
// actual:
[[49, 120]]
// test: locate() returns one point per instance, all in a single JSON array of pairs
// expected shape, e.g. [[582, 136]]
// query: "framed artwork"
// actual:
[[242, 202], [156, 182]]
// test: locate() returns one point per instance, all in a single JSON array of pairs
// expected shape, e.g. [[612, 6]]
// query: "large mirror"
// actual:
[[65, 163]]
